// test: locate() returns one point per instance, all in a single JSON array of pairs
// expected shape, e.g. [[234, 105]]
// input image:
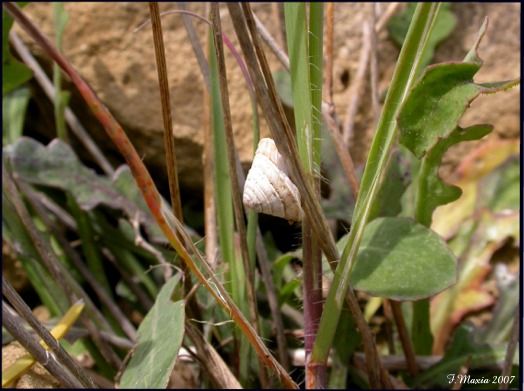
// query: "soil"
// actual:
[[119, 63]]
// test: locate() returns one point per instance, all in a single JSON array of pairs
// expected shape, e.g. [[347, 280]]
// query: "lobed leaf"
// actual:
[[56, 165]]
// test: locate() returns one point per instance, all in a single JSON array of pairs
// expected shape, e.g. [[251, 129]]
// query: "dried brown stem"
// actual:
[[276, 47], [43, 356], [390, 11], [359, 85], [72, 120], [342, 151], [55, 347], [195, 43], [169, 141], [211, 361], [235, 188], [168, 223]]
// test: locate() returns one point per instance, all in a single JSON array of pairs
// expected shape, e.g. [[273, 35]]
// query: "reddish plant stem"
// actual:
[[151, 195]]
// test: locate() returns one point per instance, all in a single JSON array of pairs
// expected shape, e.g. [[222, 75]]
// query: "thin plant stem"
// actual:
[[72, 120], [358, 87], [328, 54], [236, 192], [512, 347], [272, 43], [165, 219], [403, 78], [43, 356], [195, 44], [404, 338], [169, 141], [62, 356], [390, 11], [373, 68]]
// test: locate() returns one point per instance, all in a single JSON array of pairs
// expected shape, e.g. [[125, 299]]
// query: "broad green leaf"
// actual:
[[159, 339], [402, 260], [56, 165]]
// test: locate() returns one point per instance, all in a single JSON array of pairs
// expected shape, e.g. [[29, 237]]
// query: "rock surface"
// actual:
[[119, 64]]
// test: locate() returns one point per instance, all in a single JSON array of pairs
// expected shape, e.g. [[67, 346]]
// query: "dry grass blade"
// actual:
[[76, 127], [284, 139], [352, 108], [235, 188], [50, 338], [165, 219], [53, 264], [37, 351], [211, 361], [280, 130], [169, 141]]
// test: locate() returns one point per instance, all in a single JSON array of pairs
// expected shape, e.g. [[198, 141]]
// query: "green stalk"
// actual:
[[167, 222], [305, 58], [226, 222], [403, 78]]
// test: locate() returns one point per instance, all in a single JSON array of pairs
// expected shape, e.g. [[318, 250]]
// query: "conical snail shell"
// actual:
[[268, 188]]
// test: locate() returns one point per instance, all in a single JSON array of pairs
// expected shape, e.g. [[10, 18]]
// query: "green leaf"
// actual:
[[396, 180], [159, 338], [282, 80], [56, 165], [402, 260], [436, 102], [464, 347], [444, 25], [14, 109], [432, 191], [14, 73]]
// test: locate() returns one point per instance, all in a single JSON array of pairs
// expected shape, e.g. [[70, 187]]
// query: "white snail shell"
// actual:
[[268, 188]]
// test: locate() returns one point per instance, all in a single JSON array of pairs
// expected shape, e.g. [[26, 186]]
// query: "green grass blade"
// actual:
[[405, 71]]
